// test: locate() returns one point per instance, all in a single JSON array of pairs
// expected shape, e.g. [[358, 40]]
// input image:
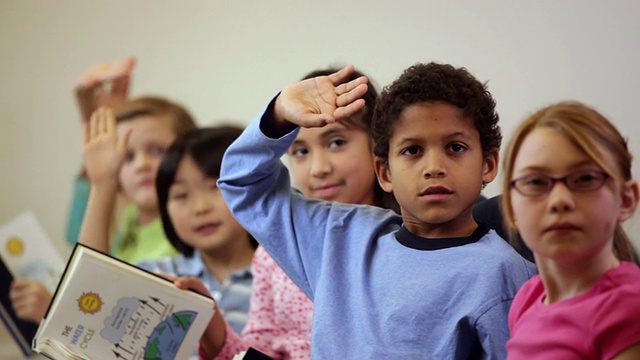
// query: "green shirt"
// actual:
[[136, 243]]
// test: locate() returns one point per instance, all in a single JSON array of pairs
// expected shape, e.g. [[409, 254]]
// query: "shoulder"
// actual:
[[527, 296], [615, 315]]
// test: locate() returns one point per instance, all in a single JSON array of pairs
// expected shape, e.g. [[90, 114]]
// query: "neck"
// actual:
[[223, 261], [145, 216], [461, 226], [567, 279]]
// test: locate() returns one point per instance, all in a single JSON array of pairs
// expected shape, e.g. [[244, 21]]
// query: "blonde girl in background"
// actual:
[[568, 188]]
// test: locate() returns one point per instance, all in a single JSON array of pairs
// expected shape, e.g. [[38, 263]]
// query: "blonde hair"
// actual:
[[181, 120], [586, 129]]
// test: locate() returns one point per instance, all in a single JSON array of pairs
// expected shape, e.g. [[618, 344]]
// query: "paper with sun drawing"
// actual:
[[28, 252], [107, 309]]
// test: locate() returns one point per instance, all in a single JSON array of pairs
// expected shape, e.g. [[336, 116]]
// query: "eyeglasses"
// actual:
[[579, 181]]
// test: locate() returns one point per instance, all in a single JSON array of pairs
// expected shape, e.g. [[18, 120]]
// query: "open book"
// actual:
[[25, 252], [105, 308]]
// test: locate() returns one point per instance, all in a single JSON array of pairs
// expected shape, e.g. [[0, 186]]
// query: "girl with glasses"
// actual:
[[568, 188]]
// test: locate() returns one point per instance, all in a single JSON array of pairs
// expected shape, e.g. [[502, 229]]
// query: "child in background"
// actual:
[[105, 84], [129, 162], [148, 125], [431, 283], [213, 247], [333, 163], [568, 186]]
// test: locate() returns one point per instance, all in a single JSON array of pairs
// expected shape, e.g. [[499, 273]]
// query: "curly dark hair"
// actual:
[[436, 82]]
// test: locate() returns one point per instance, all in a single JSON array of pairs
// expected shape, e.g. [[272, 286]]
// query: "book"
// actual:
[[252, 354], [29, 253], [104, 308], [25, 252]]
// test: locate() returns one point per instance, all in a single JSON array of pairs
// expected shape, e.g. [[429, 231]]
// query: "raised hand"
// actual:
[[321, 100], [29, 299], [103, 152], [105, 84]]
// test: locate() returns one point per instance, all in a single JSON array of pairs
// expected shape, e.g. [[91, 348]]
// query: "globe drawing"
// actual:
[[167, 337]]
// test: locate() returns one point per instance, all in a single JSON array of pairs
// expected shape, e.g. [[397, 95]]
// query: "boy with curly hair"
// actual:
[[431, 283]]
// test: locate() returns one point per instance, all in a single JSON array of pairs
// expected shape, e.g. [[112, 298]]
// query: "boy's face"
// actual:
[[150, 137], [436, 169]]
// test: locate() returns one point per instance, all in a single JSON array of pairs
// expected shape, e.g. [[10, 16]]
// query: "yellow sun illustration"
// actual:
[[15, 246], [90, 303]]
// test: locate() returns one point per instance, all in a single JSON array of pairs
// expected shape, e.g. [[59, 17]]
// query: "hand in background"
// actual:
[[103, 152], [319, 101], [29, 299], [105, 84]]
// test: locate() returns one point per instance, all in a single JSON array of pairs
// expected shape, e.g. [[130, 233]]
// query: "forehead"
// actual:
[[148, 127], [433, 119], [316, 134], [548, 149]]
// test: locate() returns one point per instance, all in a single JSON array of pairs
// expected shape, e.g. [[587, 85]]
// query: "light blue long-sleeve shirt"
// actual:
[[379, 291]]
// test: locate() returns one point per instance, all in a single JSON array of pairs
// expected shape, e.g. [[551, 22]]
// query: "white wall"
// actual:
[[225, 59]]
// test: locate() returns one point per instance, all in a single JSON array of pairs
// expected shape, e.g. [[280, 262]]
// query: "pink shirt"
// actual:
[[598, 324], [279, 315]]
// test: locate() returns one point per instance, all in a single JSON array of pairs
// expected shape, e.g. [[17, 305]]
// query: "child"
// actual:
[[129, 162], [212, 245], [105, 84], [332, 163], [568, 187], [430, 284], [148, 126]]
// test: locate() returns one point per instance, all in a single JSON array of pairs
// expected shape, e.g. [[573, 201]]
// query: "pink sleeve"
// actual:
[[233, 344], [617, 324], [260, 330]]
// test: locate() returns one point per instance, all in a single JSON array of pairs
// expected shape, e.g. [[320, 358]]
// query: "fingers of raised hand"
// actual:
[[102, 122], [345, 98], [107, 71], [339, 76]]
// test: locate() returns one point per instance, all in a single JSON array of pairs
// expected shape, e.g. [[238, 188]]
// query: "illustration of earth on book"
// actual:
[[151, 322]]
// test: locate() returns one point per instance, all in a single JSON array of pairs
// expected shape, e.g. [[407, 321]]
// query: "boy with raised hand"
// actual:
[[429, 284]]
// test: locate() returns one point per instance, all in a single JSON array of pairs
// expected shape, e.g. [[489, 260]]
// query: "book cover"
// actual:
[[28, 252], [25, 252], [104, 309]]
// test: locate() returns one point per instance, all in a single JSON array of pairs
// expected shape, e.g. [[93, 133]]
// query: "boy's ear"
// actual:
[[490, 167], [383, 174], [629, 200]]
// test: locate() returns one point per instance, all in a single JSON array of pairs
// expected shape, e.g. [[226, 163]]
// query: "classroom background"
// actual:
[[225, 59]]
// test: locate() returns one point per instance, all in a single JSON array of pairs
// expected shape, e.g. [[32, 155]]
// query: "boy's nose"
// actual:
[[433, 166]]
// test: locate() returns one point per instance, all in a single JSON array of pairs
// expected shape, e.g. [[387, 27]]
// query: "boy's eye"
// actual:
[[411, 150], [457, 148]]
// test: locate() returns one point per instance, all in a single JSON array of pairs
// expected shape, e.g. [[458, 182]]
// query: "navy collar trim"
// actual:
[[408, 239]]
